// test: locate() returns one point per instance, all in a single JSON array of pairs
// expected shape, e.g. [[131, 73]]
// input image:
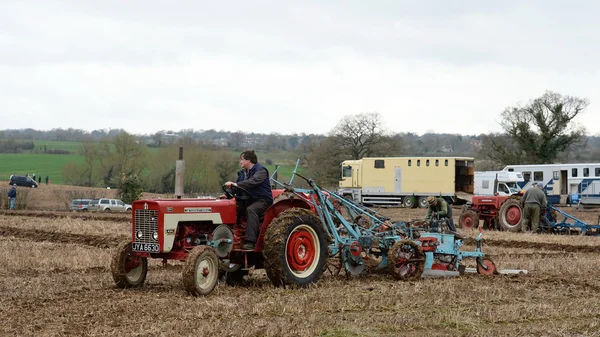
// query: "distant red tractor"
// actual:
[[497, 212], [208, 235]]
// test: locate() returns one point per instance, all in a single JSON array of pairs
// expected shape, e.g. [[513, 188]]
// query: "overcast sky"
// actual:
[[291, 66]]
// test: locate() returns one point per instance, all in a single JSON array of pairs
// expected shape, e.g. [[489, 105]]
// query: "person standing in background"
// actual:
[[12, 195], [532, 203]]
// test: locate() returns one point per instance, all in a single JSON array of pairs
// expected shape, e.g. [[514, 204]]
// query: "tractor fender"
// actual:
[[274, 211]]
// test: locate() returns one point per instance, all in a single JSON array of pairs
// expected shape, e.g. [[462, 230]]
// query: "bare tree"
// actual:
[[226, 165], [91, 152], [363, 135], [501, 150], [236, 139], [323, 158], [130, 156]]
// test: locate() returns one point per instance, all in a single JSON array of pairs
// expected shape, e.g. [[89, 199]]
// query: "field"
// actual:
[[42, 164], [56, 282]]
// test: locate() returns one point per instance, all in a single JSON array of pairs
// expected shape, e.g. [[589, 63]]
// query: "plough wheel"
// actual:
[[128, 270], [406, 261], [468, 219], [510, 215], [491, 267], [295, 249]]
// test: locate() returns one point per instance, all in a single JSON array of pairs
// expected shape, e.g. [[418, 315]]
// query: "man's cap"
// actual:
[[430, 200], [540, 184], [15, 185]]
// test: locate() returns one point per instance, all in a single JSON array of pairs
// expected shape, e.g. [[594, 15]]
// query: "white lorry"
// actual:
[[507, 183]]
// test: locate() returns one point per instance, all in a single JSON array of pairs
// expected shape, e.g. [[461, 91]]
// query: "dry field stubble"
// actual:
[[56, 281]]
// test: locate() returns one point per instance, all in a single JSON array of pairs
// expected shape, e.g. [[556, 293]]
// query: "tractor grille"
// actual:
[[146, 221]]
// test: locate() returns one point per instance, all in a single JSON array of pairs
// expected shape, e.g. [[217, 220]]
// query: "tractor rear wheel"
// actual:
[[295, 249], [510, 215], [468, 219], [201, 271], [127, 269], [406, 261]]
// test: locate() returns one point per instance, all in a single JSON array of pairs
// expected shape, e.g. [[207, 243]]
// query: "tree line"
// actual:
[[545, 130]]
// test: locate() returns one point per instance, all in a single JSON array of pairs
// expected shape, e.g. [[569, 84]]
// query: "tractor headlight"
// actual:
[[139, 234], [155, 236]]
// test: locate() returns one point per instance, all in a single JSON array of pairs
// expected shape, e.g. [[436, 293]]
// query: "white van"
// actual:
[[108, 205], [508, 182]]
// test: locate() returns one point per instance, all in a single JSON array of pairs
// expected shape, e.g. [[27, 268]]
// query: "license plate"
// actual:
[[146, 247]]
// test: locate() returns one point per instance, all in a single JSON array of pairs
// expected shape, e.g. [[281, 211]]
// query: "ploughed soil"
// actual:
[[56, 281]]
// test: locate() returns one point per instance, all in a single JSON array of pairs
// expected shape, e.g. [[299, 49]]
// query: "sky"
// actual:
[[291, 66]]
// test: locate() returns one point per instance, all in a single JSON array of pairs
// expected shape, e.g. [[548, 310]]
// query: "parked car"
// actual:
[[80, 204], [108, 205], [25, 181]]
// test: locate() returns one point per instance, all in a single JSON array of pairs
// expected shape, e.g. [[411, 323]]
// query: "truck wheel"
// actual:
[[201, 271], [510, 215], [423, 202], [468, 219], [406, 261], [409, 202], [127, 269], [295, 249]]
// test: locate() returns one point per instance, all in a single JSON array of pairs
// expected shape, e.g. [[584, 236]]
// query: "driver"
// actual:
[[254, 178]]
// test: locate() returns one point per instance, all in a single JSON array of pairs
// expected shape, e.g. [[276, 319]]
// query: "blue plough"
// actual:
[[569, 224], [364, 240]]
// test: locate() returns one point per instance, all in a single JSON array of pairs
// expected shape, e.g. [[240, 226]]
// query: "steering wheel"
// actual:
[[234, 192]]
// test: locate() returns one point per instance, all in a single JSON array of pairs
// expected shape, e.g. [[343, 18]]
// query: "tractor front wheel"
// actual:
[[201, 271], [295, 249], [468, 219], [406, 261], [128, 270]]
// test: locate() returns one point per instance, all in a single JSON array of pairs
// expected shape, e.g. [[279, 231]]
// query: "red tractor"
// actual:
[[497, 212], [208, 235]]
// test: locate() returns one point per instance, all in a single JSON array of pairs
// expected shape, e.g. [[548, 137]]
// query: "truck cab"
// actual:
[[499, 182]]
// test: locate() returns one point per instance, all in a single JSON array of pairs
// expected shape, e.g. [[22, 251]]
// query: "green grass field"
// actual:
[[51, 164], [41, 145], [41, 164]]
